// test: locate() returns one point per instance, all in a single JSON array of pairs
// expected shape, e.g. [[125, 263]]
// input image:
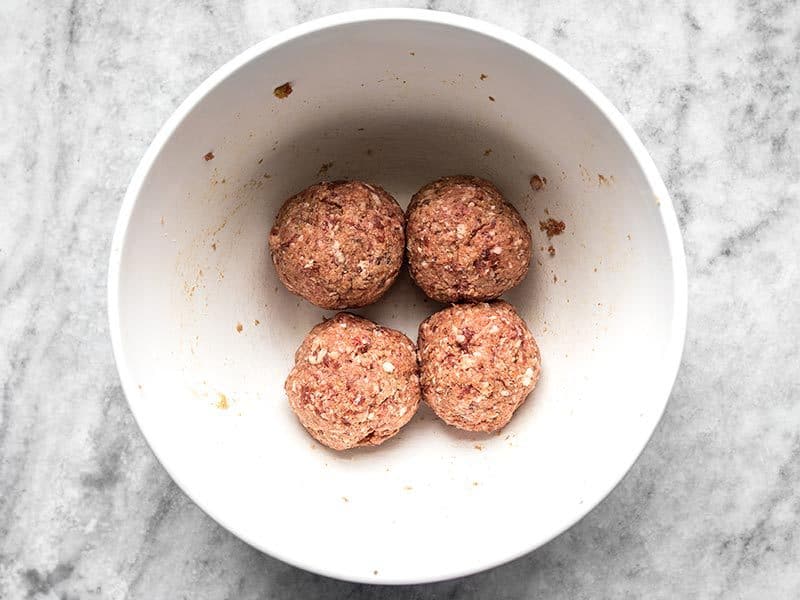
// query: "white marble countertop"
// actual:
[[712, 507]]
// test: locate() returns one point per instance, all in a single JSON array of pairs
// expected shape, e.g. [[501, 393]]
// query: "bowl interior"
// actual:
[[207, 333]]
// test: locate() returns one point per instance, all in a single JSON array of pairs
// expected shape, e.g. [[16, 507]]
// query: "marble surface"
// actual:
[[712, 507]]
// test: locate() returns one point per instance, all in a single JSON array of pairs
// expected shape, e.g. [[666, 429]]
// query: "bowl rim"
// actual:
[[662, 388]]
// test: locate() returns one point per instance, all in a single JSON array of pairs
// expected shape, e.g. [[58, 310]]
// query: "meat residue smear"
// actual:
[[552, 227], [283, 91], [538, 183], [208, 156]]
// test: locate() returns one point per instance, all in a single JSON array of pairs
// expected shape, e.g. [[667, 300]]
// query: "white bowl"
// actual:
[[397, 97]]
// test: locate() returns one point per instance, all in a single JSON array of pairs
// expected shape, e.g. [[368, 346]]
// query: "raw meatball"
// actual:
[[465, 242], [354, 383], [478, 363], [338, 244]]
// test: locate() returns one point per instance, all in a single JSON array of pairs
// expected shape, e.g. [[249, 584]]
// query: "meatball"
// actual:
[[338, 244], [478, 363], [354, 383], [465, 242]]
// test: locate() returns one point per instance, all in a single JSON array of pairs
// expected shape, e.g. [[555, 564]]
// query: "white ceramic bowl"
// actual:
[[399, 98]]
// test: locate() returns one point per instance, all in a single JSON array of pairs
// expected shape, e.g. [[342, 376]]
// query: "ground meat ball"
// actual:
[[465, 242], [354, 383], [338, 244], [478, 363]]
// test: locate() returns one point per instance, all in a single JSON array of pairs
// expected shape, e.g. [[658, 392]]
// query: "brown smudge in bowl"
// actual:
[[283, 91], [537, 182], [552, 227]]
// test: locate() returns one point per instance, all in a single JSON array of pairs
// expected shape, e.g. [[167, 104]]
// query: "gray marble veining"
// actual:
[[711, 509]]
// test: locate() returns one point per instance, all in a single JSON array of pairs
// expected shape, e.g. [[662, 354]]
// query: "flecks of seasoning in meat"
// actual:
[[464, 337], [491, 98], [538, 183], [283, 91], [552, 227], [551, 251], [222, 402], [239, 327], [208, 156], [483, 76], [487, 152], [323, 170]]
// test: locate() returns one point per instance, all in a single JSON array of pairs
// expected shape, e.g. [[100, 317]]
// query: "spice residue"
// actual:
[[552, 227], [537, 182], [491, 98], [483, 76], [283, 91], [551, 251], [222, 403], [208, 156], [239, 327], [487, 152], [323, 170], [603, 180]]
